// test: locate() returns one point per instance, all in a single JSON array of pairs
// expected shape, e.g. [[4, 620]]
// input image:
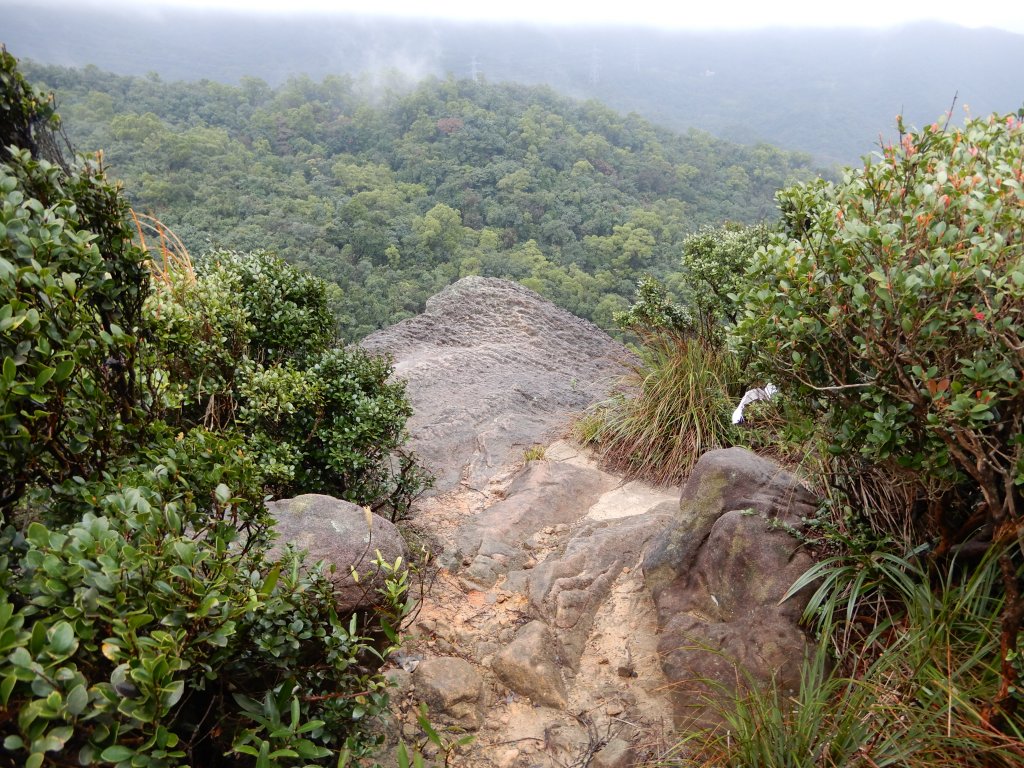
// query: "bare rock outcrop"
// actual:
[[577, 607], [543, 496], [344, 535], [542, 592], [567, 591], [717, 576], [493, 368]]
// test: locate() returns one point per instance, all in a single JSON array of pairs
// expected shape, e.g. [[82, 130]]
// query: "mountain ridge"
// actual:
[[826, 92]]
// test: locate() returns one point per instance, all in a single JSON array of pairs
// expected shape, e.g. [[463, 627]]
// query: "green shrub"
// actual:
[[140, 621], [318, 419], [71, 289], [289, 308], [676, 400], [652, 311], [714, 263], [889, 309], [892, 305]]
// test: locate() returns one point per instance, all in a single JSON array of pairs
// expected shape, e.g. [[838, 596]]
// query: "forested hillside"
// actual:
[[396, 193]]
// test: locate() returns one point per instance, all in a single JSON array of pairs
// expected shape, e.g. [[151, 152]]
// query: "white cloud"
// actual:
[[725, 14]]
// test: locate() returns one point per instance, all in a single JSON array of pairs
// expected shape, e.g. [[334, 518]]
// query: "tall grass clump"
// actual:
[[675, 401], [672, 405], [915, 690]]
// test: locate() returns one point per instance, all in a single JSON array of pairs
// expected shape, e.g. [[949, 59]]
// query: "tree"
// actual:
[[714, 262]]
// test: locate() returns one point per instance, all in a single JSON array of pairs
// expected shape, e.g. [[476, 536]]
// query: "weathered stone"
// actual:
[[717, 578], [344, 535], [452, 689], [626, 499], [399, 682], [568, 590], [732, 479], [492, 368], [617, 753], [543, 495], [530, 666]]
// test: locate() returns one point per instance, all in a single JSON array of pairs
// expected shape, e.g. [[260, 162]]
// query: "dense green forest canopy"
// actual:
[[830, 92], [394, 194]]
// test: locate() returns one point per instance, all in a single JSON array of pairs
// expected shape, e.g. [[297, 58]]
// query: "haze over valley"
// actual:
[[828, 92]]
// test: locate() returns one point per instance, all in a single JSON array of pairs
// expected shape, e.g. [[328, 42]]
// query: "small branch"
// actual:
[[838, 387], [328, 696], [949, 115]]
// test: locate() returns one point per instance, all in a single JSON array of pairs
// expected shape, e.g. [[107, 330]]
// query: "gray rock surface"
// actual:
[[717, 575], [530, 665], [615, 754], [568, 590], [452, 689], [343, 534], [543, 495], [493, 368]]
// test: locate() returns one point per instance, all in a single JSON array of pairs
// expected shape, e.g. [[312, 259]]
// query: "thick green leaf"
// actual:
[[116, 753], [62, 639]]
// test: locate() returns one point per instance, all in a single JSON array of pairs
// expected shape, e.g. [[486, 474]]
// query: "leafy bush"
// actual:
[[138, 635], [71, 289], [140, 621], [889, 308], [892, 304], [714, 264], [288, 307], [653, 311], [245, 345]]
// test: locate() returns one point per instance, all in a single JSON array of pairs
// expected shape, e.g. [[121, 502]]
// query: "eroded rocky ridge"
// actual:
[[491, 369], [568, 615]]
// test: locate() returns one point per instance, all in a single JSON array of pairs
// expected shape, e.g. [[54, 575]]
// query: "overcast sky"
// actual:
[[673, 14]]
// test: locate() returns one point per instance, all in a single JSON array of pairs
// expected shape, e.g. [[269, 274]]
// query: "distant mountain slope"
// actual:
[[395, 194], [830, 93]]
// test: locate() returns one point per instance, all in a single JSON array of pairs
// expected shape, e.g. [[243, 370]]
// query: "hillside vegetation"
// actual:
[[147, 408], [396, 195], [886, 308]]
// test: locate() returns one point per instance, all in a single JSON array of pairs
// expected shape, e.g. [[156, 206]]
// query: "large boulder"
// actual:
[[344, 535], [717, 576], [493, 368]]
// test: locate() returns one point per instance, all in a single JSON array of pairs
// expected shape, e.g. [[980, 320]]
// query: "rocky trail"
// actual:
[[567, 618], [583, 688]]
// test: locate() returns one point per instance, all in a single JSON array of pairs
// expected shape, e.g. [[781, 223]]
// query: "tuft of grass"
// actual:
[[917, 691], [534, 453], [168, 257], [669, 408]]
